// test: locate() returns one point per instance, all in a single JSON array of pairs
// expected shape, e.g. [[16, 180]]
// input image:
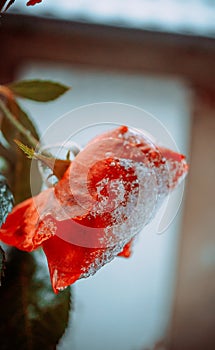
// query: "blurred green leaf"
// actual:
[[6, 199], [2, 263], [21, 167], [38, 90], [32, 317], [21, 181], [8, 130]]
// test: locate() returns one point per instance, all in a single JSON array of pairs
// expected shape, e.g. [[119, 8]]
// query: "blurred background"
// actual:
[[158, 55]]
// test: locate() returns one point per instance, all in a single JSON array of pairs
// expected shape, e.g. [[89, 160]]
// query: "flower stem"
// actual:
[[25, 132]]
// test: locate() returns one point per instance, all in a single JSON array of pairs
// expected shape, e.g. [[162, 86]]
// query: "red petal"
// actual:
[[176, 163], [12, 231], [68, 262], [177, 166], [22, 226], [33, 2], [126, 252], [64, 261]]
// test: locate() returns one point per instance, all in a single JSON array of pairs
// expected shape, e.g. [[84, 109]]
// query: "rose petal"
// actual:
[[33, 2], [22, 226], [177, 166], [67, 262], [127, 250]]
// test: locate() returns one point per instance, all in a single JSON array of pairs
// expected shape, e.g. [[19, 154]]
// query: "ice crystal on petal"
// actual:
[[112, 189], [6, 200], [48, 227], [99, 259]]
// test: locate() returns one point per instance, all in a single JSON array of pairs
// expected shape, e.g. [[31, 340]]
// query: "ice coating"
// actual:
[[112, 193], [111, 190], [150, 173]]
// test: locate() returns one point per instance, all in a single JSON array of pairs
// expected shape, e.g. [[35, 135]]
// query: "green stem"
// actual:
[[25, 132]]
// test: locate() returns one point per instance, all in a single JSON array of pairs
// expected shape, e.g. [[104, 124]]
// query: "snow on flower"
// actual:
[[110, 191]]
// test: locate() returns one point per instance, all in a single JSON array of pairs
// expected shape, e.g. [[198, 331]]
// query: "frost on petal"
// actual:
[[177, 166], [117, 192], [68, 262], [112, 189], [175, 162]]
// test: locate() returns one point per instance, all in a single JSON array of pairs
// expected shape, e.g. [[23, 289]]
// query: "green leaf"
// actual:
[[6, 199], [32, 317], [8, 130], [38, 90], [2, 263]]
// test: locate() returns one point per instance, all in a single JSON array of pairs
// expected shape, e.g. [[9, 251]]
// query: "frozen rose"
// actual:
[[111, 190]]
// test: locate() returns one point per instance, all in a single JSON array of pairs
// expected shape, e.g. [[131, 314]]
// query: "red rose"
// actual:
[[110, 191]]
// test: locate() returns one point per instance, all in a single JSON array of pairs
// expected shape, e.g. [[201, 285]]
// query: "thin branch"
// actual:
[[25, 132]]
